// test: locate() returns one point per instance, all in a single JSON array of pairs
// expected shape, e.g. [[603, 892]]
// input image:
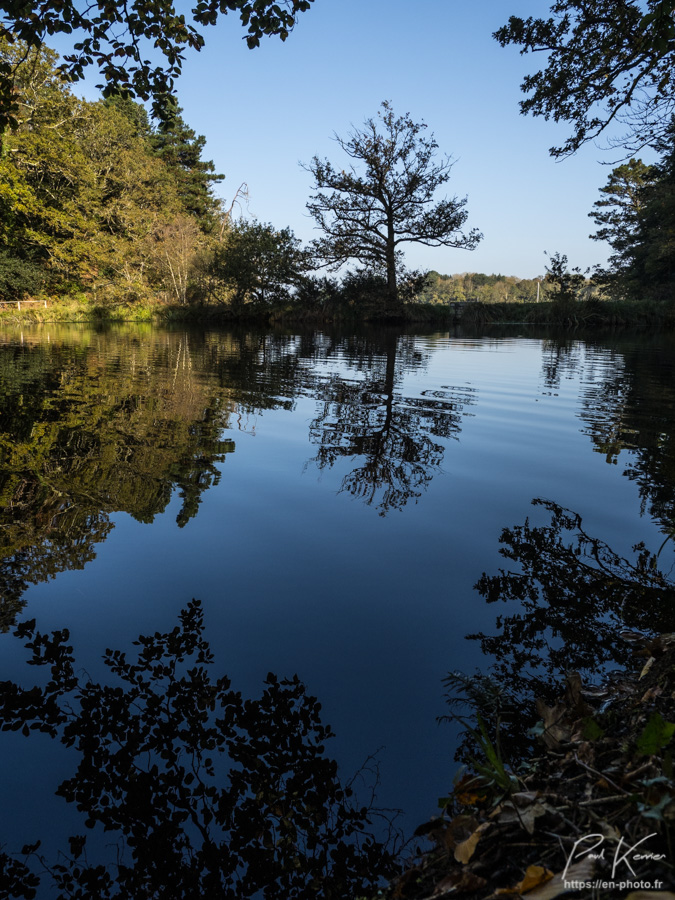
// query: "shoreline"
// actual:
[[589, 315]]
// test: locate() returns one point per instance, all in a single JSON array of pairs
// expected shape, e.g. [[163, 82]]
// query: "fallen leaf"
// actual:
[[465, 791], [465, 850], [534, 876], [524, 816], [458, 831], [647, 666], [573, 699], [582, 871], [556, 728]]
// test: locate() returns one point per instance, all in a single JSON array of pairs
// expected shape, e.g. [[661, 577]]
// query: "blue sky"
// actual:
[[264, 111]]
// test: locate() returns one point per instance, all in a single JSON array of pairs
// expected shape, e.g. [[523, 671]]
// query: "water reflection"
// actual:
[[627, 405], [371, 418], [88, 430], [629, 413], [200, 792], [94, 424], [569, 599]]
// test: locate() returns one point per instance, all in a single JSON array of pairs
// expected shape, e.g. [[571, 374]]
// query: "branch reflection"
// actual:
[[396, 435], [200, 792]]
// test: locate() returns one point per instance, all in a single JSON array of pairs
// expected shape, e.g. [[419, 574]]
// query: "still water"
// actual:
[[331, 499]]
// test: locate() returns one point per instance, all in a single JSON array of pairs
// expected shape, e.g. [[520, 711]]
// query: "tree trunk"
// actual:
[[392, 288]]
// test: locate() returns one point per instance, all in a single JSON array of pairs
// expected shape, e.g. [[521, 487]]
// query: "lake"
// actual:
[[330, 498]]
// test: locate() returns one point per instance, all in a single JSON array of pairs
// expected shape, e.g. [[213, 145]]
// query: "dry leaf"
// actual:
[[647, 667], [652, 694], [534, 876], [465, 790], [525, 815], [582, 871], [465, 850], [573, 699], [556, 729], [458, 830]]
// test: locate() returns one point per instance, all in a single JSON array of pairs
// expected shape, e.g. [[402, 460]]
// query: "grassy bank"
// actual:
[[571, 315]]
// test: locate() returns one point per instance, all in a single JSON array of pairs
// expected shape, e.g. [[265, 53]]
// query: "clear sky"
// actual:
[[264, 111]]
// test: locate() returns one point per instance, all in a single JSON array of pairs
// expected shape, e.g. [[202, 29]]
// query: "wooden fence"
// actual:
[[19, 303]]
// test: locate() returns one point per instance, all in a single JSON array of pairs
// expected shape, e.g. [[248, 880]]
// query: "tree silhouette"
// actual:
[[394, 434], [205, 793]]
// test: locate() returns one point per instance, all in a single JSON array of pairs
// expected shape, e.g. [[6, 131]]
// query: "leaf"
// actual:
[[591, 730], [524, 811], [555, 886], [556, 724], [647, 666], [534, 876], [465, 850], [656, 735]]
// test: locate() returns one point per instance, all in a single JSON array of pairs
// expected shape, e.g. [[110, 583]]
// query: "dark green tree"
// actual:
[[605, 60], [385, 198], [259, 264], [180, 148], [119, 38], [618, 217], [637, 217], [654, 253]]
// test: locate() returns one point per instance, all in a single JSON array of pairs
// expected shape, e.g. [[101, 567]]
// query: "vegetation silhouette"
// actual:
[[116, 41], [573, 605], [385, 198], [627, 404], [605, 62], [202, 792], [397, 436]]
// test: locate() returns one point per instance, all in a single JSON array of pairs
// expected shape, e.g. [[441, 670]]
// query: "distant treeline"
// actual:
[[481, 288]]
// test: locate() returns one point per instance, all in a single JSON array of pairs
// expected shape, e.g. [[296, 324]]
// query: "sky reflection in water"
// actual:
[[331, 500]]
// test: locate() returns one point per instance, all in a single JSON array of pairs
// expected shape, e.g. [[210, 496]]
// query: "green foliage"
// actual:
[[475, 286], [119, 39], [259, 265], [18, 277], [656, 736], [637, 217], [103, 200], [180, 149], [604, 61], [564, 286], [385, 198]]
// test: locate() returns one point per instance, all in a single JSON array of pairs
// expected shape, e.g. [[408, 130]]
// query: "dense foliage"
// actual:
[[117, 38], [607, 60], [636, 215], [100, 202], [476, 286]]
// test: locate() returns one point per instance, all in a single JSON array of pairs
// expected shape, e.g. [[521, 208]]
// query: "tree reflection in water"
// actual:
[[206, 794], [373, 420], [572, 597]]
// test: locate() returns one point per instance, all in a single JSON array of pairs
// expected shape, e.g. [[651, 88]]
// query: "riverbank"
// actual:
[[591, 813], [587, 314]]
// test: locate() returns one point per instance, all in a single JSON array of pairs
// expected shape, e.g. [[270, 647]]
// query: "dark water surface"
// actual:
[[330, 499]]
